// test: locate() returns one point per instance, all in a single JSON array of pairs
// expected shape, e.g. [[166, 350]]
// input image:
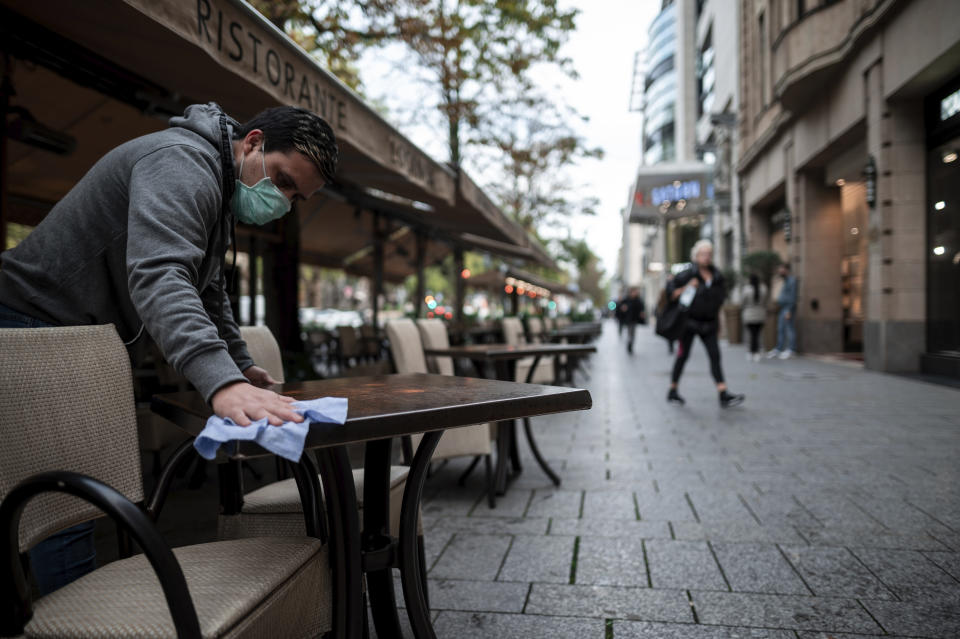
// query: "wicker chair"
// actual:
[[349, 345], [70, 454], [406, 347], [513, 334], [275, 509]]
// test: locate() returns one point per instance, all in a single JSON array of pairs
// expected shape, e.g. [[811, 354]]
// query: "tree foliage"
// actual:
[[471, 51]]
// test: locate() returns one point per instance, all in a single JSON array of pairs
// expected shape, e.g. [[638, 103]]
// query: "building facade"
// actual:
[[849, 134], [686, 186]]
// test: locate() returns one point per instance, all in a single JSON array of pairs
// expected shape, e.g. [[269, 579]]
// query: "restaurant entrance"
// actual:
[[943, 231]]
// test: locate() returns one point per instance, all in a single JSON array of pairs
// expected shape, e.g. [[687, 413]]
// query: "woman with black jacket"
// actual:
[[701, 289]]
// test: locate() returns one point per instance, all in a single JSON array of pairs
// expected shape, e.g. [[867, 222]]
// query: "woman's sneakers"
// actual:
[[674, 397], [729, 399]]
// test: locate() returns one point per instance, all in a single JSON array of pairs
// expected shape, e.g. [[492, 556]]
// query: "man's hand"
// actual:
[[693, 283], [787, 315], [259, 377], [244, 403]]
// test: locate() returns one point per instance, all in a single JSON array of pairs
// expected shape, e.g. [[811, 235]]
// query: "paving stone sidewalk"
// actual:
[[826, 506]]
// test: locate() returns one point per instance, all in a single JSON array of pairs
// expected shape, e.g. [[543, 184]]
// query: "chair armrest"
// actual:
[[15, 599]]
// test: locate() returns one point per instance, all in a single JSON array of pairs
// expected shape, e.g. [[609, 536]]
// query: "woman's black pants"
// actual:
[[709, 339], [755, 336]]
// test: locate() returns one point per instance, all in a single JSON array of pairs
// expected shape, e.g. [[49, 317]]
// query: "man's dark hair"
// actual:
[[288, 128], [786, 265]]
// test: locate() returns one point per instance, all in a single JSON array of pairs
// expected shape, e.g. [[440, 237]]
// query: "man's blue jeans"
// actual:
[[69, 554], [786, 330]]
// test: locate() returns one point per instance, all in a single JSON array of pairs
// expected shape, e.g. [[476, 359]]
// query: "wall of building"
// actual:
[[869, 105]]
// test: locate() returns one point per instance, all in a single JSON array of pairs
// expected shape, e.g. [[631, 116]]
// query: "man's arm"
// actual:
[[174, 210]]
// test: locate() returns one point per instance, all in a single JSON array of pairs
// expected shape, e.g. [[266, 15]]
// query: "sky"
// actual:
[[609, 33]]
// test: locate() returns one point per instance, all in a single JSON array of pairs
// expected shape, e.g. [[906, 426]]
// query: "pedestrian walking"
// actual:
[[620, 314], [701, 290], [754, 299], [662, 301], [140, 242], [634, 312], [786, 316]]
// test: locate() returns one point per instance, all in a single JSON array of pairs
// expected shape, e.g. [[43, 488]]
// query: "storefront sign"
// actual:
[[671, 191], [245, 44]]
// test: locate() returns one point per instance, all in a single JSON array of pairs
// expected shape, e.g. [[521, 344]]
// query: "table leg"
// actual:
[[231, 487], [536, 453], [344, 545], [529, 433], [378, 545], [410, 560]]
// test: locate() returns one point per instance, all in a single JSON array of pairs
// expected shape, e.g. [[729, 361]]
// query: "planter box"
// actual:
[[734, 323]]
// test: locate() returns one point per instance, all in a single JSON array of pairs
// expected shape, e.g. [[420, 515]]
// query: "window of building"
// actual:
[[657, 72], [706, 75], [762, 58]]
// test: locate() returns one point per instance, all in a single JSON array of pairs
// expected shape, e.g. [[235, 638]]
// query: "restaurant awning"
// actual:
[[105, 71], [671, 191]]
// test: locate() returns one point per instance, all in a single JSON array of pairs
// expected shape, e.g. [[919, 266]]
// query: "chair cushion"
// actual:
[[275, 509], [543, 373], [283, 496], [276, 586]]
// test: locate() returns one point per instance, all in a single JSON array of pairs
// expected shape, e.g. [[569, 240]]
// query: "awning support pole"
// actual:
[[6, 90], [460, 285], [421, 276], [377, 268]]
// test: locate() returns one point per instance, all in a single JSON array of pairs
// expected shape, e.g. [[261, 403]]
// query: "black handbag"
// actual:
[[671, 322]]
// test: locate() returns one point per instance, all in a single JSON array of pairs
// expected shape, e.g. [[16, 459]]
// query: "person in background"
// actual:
[[701, 290], [619, 313], [786, 318], [754, 300], [662, 302], [634, 312]]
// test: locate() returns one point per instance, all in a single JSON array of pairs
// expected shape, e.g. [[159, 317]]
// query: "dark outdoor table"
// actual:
[[504, 358], [381, 407]]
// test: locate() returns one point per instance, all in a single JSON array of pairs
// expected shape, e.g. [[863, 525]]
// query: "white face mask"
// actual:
[[261, 203]]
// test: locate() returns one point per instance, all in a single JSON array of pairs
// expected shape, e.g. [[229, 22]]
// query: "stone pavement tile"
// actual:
[[607, 602], [555, 503], [916, 619], [758, 568], [780, 508], [839, 635], [544, 559], [683, 564], [722, 505], [611, 528], [434, 541], [949, 539], [611, 561], [448, 505], [874, 537], [835, 572], [470, 556], [836, 510], [482, 596], [609, 504], [492, 525], [911, 575], [664, 507], [735, 531], [782, 611], [647, 630], [898, 515], [512, 504], [949, 561], [477, 625]]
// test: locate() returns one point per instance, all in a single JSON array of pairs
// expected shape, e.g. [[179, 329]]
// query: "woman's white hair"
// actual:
[[699, 246]]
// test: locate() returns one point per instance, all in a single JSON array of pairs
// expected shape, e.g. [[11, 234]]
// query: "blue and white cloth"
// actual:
[[285, 440]]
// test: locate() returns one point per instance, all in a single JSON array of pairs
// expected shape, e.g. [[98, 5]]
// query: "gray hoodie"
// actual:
[[138, 243]]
